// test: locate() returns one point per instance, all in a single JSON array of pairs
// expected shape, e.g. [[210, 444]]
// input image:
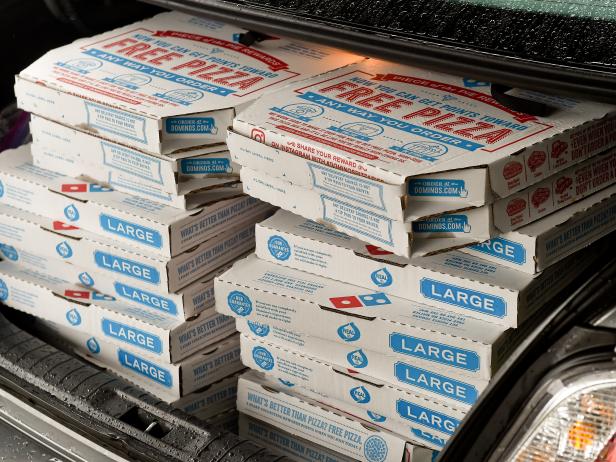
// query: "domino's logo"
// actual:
[[64, 250], [279, 248], [376, 417], [73, 317], [382, 278], [86, 279], [375, 449], [357, 359], [4, 291], [360, 301], [9, 252], [263, 358], [360, 395], [93, 346], [239, 303], [349, 332], [71, 213], [260, 330]]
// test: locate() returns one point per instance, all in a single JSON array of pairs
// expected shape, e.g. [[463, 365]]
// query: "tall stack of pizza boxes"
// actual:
[[116, 219], [423, 222]]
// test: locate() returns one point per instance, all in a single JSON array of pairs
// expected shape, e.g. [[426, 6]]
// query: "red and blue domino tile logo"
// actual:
[[360, 301]]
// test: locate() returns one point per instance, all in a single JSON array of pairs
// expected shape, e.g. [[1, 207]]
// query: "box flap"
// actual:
[[175, 64]]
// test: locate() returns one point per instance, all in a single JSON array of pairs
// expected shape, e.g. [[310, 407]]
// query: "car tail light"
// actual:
[[576, 424]]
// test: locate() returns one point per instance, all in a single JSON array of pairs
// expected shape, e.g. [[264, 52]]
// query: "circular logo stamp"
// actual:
[[4, 290], [9, 252], [263, 358], [382, 277], [73, 317], [375, 449], [260, 330], [93, 346], [71, 213], [239, 303], [86, 279], [279, 248]]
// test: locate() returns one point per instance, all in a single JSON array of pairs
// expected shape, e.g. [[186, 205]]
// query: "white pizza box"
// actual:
[[440, 394], [398, 347], [212, 399], [298, 302], [453, 281], [154, 228], [78, 154], [470, 185], [166, 83], [298, 448], [405, 135], [168, 382], [184, 304], [521, 208], [380, 368], [537, 246], [323, 425], [56, 239], [554, 193], [439, 231], [403, 423], [134, 329]]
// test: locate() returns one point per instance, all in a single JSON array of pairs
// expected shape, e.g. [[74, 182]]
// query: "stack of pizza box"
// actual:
[[116, 219], [423, 224]]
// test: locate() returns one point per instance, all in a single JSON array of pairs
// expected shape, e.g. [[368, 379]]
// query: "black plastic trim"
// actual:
[[510, 71], [95, 404]]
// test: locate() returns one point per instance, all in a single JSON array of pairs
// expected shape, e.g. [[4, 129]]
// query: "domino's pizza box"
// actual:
[[55, 239], [324, 425], [432, 231], [521, 208], [184, 304], [405, 427], [468, 187], [211, 400], [131, 221], [567, 187], [378, 368], [201, 192], [294, 303], [294, 447], [166, 83], [134, 329], [537, 246], [159, 178], [453, 281], [168, 382], [394, 346], [440, 394], [403, 135]]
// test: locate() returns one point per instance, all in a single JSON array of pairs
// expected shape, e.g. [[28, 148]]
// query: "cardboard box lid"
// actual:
[[451, 281], [347, 433], [140, 222], [18, 163], [395, 121], [133, 67], [500, 276], [173, 336], [540, 244], [253, 273]]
